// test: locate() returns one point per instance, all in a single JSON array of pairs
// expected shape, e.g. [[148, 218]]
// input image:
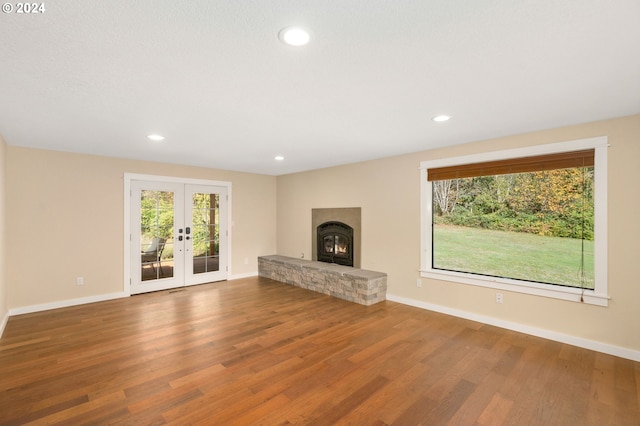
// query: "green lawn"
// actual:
[[513, 255]]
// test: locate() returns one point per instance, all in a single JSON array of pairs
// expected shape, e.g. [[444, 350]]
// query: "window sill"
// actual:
[[545, 290]]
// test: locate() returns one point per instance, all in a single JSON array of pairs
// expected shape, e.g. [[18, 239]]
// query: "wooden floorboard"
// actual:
[[255, 351]]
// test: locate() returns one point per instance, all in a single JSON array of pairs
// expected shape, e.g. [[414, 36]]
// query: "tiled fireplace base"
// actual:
[[355, 285]]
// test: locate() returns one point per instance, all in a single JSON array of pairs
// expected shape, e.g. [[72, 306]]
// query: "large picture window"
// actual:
[[530, 220]]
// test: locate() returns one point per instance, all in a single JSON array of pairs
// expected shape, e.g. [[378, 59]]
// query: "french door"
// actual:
[[178, 234]]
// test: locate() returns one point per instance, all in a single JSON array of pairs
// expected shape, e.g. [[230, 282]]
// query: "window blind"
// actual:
[[563, 160]]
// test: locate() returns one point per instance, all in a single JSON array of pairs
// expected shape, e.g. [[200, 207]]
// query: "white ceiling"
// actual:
[[211, 76]]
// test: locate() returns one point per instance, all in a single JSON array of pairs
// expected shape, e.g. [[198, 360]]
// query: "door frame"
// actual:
[[127, 179]]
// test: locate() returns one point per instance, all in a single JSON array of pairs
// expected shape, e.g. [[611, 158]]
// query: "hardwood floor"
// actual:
[[255, 351]]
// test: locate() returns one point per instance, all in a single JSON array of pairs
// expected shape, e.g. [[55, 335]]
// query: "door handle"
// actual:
[[179, 237], [187, 230]]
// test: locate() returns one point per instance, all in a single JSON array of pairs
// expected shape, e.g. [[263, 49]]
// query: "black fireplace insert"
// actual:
[[335, 243]]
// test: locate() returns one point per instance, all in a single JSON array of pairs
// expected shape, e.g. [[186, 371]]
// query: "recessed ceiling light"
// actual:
[[294, 36], [278, 158], [155, 137], [441, 118]]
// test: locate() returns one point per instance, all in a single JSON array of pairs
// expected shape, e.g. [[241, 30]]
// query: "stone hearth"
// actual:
[[344, 282]]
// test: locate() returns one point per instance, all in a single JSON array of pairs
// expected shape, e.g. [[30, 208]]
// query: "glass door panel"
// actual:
[[156, 257], [156, 234], [208, 219], [205, 217]]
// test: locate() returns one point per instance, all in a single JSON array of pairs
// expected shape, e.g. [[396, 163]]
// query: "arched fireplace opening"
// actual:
[[335, 243]]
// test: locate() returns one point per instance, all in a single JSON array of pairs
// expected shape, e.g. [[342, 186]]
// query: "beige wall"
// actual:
[[65, 213], [3, 263], [388, 191]]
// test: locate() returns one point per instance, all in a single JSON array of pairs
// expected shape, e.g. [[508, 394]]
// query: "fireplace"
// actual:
[[335, 243], [348, 233]]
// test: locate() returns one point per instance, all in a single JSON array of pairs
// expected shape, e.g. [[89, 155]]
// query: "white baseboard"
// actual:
[[593, 345], [4, 324], [65, 303], [245, 275]]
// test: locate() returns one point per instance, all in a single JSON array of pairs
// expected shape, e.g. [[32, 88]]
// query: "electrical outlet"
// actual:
[[419, 282], [79, 280], [246, 260], [498, 297]]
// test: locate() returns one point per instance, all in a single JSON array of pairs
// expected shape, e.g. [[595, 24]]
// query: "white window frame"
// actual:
[[598, 296]]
